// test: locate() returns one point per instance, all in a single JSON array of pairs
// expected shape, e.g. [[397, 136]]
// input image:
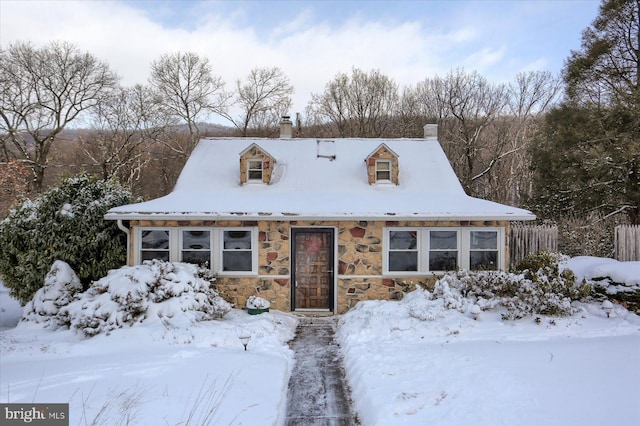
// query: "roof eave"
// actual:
[[321, 217]]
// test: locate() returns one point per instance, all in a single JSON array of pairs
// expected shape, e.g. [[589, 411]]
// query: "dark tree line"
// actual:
[[587, 159]]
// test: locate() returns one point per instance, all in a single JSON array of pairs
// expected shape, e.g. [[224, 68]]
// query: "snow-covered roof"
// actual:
[[308, 183]]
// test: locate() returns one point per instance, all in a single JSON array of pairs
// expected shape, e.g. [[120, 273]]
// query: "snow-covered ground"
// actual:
[[169, 372], [443, 368]]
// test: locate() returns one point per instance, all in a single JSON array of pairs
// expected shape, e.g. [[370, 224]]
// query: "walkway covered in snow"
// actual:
[[318, 393]]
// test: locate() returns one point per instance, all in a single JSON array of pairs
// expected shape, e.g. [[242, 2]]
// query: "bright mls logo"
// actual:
[[35, 414]]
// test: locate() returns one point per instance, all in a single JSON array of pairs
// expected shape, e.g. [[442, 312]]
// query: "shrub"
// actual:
[[60, 286], [543, 269], [156, 290], [65, 223], [539, 290], [542, 260]]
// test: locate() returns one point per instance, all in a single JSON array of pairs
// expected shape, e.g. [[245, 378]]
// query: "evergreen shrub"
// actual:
[[66, 223], [537, 287]]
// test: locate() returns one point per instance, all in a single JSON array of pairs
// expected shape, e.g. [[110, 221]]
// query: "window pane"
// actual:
[[403, 261], [236, 261], [149, 255], [481, 240], [255, 170], [237, 254], [483, 260], [382, 175], [383, 170], [442, 240], [156, 239], [255, 174], [237, 240], [403, 240], [199, 240], [443, 261], [201, 258], [383, 165]]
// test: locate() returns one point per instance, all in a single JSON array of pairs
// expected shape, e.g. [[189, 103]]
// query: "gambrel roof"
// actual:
[[305, 184]]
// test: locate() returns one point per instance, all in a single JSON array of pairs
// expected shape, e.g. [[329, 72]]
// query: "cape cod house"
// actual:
[[319, 224]]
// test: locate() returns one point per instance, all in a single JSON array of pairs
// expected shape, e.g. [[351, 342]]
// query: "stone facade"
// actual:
[[255, 152], [359, 259], [383, 152]]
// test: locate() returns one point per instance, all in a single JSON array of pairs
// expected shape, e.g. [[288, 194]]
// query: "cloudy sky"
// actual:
[[311, 41]]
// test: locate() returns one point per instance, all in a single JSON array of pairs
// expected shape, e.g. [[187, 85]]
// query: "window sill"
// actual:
[[237, 274]]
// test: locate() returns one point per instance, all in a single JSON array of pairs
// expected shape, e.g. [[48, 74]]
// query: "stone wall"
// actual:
[[359, 260], [268, 163], [382, 153]]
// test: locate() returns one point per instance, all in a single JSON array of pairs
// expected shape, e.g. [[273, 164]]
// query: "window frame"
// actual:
[[141, 249], [389, 170], [463, 241], [428, 232], [181, 248], [485, 250], [250, 169], [216, 241], [221, 250], [417, 249]]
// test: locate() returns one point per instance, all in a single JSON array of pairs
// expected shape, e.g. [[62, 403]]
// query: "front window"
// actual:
[[154, 244], [222, 250], [196, 247], [443, 250], [254, 170], [483, 253], [403, 251], [437, 250], [237, 252], [383, 170]]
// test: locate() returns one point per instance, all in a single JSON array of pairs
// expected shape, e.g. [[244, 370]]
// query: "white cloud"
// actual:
[[310, 49]]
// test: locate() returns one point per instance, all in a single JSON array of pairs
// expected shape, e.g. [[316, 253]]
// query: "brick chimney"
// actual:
[[286, 127], [431, 131]]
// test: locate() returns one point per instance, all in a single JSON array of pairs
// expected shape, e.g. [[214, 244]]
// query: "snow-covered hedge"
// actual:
[[156, 290], [540, 288], [519, 295]]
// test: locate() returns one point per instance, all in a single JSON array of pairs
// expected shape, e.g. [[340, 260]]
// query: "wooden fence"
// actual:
[[627, 242], [530, 239]]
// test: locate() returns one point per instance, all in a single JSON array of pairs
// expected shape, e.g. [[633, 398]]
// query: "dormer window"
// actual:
[[383, 171], [382, 166], [256, 165], [254, 170]]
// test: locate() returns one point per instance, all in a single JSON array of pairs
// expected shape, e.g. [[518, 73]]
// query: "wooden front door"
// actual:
[[313, 269]]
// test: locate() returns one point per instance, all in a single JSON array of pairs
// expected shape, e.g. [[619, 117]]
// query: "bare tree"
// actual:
[[42, 90], [359, 105], [14, 182], [188, 91], [263, 98], [530, 96], [411, 115], [122, 127], [465, 105]]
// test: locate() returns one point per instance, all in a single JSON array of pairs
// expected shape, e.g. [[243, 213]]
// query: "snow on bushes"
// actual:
[[60, 286], [156, 290], [65, 223], [540, 288]]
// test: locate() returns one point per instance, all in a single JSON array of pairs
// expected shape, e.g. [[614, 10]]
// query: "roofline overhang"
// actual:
[[323, 217]]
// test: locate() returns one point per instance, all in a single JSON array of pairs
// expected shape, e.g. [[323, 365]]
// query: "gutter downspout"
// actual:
[[126, 231]]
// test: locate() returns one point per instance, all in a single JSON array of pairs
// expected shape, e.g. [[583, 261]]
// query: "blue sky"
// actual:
[[311, 41]]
